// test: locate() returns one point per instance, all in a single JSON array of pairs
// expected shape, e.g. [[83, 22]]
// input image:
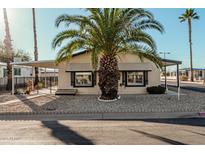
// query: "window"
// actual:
[[17, 71], [200, 73], [83, 79], [135, 79], [4, 72]]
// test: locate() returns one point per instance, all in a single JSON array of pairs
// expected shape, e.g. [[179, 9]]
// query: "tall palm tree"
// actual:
[[189, 15], [9, 51], [35, 47], [106, 33]]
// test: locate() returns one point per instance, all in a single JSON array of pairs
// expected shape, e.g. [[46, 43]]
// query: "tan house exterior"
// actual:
[[77, 76], [130, 66]]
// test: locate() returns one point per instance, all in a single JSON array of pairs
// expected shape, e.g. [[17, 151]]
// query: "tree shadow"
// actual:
[[167, 140], [195, 132], [29, 103], [65, 134], [181, 121]]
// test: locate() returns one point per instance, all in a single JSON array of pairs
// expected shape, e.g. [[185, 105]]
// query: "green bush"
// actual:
[[39, 85], [183, 78], [156, 90]]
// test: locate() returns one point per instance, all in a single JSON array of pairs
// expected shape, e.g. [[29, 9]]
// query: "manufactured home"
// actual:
[[78, 74]]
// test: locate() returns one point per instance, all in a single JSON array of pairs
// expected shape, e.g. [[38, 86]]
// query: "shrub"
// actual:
[[156, 90], [39, 85], [183, 78]]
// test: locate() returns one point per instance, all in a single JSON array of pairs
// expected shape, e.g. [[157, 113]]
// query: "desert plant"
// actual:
[[29, 87], [106, 33]]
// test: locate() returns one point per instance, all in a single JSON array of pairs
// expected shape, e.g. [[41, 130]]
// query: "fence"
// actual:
[[20, 82]]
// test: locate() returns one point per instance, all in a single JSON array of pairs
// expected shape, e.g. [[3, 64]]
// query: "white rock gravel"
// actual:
[[191, 102]]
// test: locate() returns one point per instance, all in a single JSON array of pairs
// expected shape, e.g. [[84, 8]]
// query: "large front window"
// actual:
[[83, 79], [135, 78]]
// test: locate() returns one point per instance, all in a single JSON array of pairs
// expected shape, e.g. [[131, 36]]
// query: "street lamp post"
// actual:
[[165, 70]]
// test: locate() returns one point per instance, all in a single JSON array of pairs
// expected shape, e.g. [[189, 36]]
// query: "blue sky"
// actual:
[[174, 40]]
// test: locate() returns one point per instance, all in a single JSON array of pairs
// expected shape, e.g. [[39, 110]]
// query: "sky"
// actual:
[[174, 40]]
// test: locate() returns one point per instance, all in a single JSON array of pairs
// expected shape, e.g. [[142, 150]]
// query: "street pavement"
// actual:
[[164, 131], [187, 86]]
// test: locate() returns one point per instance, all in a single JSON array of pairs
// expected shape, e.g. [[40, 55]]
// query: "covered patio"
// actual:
[[46, 64]]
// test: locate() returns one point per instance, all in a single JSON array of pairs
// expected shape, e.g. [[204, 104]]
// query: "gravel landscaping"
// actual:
[[190, 102]]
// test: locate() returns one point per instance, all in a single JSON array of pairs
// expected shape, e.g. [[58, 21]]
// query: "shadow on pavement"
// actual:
[[28, 102], [173, 142], [65, 134], [61, 132], [195, 132], [187, 121]]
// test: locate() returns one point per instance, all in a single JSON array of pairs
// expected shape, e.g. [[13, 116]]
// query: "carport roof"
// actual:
[[169, 62], [41, 63]]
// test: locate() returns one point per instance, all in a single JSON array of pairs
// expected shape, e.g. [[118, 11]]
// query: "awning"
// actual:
[[135, 66], [71, 67], [122, 67], [41, 63]]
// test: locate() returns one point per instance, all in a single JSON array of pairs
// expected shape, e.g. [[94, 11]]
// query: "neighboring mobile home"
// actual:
[[19, 71], [185, 74], [199, 73]]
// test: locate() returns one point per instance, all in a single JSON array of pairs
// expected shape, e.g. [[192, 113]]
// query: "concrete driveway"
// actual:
[[164, 131]]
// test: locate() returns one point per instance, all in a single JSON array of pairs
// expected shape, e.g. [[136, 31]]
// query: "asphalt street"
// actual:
[[164, 131]]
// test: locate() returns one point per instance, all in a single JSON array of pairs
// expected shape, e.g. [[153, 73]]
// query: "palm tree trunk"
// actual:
[[35, 47], [8, 48], [190, 46], [108, 77]]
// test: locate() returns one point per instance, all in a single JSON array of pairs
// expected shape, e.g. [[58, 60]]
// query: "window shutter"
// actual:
[[72, 78], [123, 77], [94, 78], [146, 77]]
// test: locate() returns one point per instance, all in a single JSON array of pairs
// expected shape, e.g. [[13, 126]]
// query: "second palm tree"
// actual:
[[189, 15]]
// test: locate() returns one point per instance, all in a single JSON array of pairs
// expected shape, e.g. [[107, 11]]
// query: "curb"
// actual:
[[98, 116]]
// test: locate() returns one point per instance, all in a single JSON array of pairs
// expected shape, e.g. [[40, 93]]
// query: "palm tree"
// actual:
[[106, 33], [9, 51], [189, 15], [35, 47]]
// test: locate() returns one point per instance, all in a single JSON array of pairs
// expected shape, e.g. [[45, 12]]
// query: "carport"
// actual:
[[168, 62], [40, 64]]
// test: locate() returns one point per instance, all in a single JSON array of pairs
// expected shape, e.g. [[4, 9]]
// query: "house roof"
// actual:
[[41, 63]]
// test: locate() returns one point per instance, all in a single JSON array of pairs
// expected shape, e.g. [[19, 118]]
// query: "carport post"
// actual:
[[50, 86], [32, 78], [45, 77], [178, 84], [54, 80], [12, 92]]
